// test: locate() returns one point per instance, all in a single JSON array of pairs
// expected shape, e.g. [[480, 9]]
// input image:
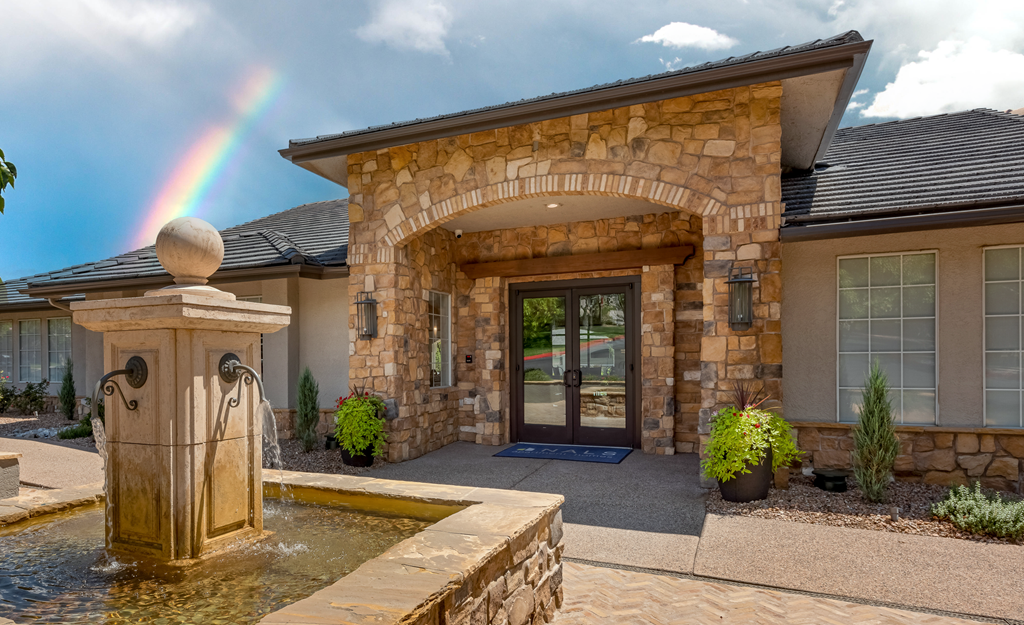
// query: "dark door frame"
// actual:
[[633, 385]]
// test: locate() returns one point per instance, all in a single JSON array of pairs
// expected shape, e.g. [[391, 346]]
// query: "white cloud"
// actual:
[[409, 25], [683, 35], [674, 64], [150, 23], [860, 92], [854, 105], [956, 75]]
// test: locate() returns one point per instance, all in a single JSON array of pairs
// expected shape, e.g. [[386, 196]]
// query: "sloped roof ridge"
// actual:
[[287, 247], [850, 36]]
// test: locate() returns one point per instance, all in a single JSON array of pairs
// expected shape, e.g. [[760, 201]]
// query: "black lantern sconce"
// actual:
[[366, 315], [741, 298]]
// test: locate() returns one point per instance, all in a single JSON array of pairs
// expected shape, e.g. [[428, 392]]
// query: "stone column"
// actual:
[[184, 468]]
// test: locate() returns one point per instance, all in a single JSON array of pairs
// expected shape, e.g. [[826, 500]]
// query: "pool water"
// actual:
[[55, 570]]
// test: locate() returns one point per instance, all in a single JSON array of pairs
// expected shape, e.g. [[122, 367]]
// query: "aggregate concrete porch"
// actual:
[[647, 511]]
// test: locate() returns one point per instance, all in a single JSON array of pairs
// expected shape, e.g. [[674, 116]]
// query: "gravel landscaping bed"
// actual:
[[319, 460], [804, 503], [13, 422]]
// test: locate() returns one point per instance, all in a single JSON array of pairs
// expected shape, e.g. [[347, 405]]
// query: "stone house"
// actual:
[[558, 270]]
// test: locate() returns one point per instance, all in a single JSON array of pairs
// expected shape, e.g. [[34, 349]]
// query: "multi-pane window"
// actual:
[[887, 314], [439, 317], [30, 365], [1003, 317], [7, 350], [58, 344]]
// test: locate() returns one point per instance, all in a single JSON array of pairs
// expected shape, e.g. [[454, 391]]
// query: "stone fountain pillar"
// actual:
[[184, 469]]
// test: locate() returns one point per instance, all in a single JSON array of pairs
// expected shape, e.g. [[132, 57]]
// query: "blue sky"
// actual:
[[101, 99]]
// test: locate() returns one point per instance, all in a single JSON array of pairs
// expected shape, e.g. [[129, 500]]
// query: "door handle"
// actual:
[[577, 378], [565, 378]]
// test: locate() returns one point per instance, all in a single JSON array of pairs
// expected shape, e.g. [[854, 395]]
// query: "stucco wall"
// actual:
[[79, 338], [809, 324], [323, 340]]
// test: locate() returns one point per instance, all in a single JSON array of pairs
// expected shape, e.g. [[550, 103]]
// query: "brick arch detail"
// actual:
[[612, 185]]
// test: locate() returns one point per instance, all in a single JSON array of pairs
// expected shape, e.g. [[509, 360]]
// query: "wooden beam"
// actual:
[[580, 263]]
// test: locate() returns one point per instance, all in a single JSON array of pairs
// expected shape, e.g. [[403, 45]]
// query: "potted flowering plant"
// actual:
[[359, 427], [748, 445]]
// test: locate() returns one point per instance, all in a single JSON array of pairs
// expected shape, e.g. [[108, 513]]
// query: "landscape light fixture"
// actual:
[[366, 315], [553, 205], [741, 298]]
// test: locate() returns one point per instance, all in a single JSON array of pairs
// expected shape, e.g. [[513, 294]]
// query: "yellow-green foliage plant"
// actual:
[[875, 444], [986, 514], [743, 436], [359, 425]]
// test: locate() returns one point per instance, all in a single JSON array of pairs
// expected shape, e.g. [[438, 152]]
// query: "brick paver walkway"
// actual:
[[600, 596]]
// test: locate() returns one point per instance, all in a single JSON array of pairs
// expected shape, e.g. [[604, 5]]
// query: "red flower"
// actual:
[[757, 425]]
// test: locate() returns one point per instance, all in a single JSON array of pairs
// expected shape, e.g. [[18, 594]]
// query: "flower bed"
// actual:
[[804, 503]]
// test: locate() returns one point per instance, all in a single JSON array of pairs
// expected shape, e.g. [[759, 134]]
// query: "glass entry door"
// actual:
[[573, 349]]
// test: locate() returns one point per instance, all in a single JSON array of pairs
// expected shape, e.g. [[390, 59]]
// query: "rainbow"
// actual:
[[197, 172]]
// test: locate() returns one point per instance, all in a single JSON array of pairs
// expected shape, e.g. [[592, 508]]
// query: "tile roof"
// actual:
[[950, 161], [848, 37], [312, 234]]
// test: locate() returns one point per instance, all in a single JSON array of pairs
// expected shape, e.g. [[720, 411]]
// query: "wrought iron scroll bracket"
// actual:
[[135, 372], [232, 370]]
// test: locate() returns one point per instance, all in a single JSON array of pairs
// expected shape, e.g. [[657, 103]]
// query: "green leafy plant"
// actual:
[[7, 393], [536, 375], [32, 398], [80, 430], [67, 397], [359, 423], [308, 410], [987, 514], [875, 444], [8, 172]]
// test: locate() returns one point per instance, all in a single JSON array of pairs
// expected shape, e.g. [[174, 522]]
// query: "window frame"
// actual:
[[446, 314], [9, 351], [49, 347], [21, 350], [938, 360], [984, 334]]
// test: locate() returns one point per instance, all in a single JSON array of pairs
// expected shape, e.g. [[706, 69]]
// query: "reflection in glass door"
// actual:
[[572, 349]]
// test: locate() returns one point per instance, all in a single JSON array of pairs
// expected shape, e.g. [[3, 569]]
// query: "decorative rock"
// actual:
[[975, 465], [1004, 467]]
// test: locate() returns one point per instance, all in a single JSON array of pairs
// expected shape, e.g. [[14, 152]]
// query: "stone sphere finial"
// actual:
[[190, 249]]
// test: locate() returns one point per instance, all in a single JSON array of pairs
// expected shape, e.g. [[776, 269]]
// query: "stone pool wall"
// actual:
[[934, 455]]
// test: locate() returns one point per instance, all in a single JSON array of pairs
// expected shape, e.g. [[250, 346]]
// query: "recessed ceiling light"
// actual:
[[553, 205]]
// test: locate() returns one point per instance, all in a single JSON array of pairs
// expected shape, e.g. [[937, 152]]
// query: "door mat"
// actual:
[[579, 453]]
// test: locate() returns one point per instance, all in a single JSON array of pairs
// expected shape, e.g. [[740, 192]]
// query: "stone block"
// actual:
[[1012, 443], [987, 443], [975, 464], [904, 464], [943, 440], [520, 606], [967, 443], [1004, 467], [924, 442], [945, 478], [10, 475], [832, 459], [938, 460]]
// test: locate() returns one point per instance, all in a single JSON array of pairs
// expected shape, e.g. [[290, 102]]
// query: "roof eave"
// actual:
[[845, 56]]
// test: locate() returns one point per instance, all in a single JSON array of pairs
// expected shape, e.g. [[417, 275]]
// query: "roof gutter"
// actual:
[[850, 55], [808, 230], [60, 289]]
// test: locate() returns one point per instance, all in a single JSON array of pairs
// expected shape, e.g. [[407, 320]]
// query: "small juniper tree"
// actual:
[[67, 391], [875, 442], [308, 410]]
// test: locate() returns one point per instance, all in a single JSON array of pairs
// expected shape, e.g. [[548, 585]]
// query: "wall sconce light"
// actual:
[[366, 315], [741, 298]]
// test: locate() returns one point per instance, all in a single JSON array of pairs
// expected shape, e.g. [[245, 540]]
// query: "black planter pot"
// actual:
[[744, 487], [359, 460], [331, 443]]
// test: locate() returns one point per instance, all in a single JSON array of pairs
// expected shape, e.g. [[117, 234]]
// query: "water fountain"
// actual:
[[182, 442], [184, 437]]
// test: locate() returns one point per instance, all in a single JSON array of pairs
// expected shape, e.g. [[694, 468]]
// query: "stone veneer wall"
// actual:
[[485, 418], [934, 455], [715, 156]]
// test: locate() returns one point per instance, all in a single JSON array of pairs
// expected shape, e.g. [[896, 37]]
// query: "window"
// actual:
[[887, 313], [7, 349], [58, 343], [1003, 337], [30, 367], [439, 316]]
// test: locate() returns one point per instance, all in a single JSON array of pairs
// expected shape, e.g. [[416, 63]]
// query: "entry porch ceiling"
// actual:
[[535, 212], [818, 81]]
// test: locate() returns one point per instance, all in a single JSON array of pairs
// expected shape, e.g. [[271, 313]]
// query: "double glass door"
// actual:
[[574, 363]]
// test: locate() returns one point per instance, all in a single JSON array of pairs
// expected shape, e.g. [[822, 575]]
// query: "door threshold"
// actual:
[[572, 445]]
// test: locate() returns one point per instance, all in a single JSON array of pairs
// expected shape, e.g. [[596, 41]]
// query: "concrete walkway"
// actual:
[[53, 464], [646, 511]]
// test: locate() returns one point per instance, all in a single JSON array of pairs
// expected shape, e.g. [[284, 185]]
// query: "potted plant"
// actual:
[[359, 428], [747, 446]]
